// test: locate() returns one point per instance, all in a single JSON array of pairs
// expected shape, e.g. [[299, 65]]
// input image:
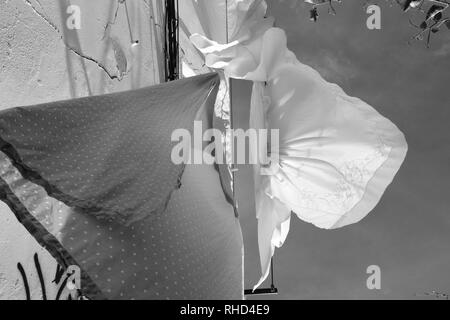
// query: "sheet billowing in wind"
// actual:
[[108, 154], [337, 154], [92, 180]]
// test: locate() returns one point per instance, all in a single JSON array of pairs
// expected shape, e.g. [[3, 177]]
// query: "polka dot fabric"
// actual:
[[110, 154], [193, 250]]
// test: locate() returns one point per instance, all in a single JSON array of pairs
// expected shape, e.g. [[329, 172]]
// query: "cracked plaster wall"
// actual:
[[41, 60]]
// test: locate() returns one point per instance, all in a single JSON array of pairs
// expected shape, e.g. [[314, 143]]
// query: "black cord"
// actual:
[[59, 273], [41, 276], [61, 288], [25, 280]]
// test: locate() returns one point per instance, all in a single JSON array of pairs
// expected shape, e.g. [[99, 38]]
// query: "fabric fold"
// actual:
[[337, 155], [94, 153], [171, 255]]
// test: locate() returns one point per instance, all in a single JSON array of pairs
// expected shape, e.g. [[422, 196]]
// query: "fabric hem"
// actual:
[[89, 289]]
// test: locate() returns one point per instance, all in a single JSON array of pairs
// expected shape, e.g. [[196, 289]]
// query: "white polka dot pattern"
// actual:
[[192, 251], [109, 157], [108, 154]]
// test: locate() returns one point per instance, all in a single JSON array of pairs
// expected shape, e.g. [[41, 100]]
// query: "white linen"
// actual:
[[337, 154]]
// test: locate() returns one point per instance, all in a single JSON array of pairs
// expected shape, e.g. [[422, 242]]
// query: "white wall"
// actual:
[[42, 60]]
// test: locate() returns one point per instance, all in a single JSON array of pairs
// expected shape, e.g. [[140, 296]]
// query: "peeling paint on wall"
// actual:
[[42, 60]]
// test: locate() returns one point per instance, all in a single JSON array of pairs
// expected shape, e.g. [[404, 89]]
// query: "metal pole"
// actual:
[[272, 286], [171, 40], [133, 41]]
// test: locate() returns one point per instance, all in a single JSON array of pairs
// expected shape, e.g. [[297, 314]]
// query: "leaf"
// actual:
[[404, 4], [314, 14], [423, 25], [415, 3], [435, 30], [437, 16], [434, 9]]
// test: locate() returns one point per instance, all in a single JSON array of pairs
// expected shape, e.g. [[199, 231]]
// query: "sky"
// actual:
[[408, 233]]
